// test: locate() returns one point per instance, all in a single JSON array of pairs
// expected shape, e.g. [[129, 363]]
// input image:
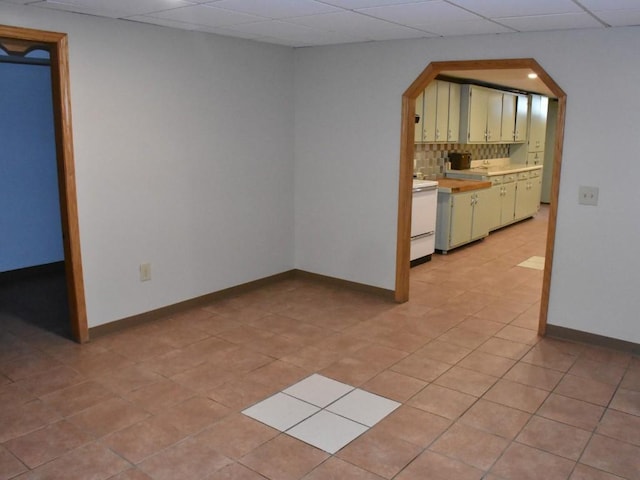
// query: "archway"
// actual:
[[406, 167]]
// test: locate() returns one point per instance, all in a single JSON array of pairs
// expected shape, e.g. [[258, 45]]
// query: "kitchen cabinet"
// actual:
[[503, 201], [480, 114], [538, 123], [522, 116], [462, 218], [417, 136], [508, 125], [535, 158], [515, 109], [440, 117], [528, 190]]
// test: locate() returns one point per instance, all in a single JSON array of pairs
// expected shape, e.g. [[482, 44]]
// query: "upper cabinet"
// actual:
[[488, 115], [480, 114], [453, 113], [522, 115], [419, 118], [440, 117], [538, 123], [515, 108]]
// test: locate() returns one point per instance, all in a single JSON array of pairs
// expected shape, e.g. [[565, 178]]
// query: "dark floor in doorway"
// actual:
[[37, 296]]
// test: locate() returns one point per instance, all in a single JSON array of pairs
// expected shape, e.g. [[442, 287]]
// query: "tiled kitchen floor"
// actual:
[[481, 395]]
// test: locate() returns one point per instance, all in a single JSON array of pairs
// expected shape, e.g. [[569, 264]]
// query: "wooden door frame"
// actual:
[[56, 43], [406, 167]]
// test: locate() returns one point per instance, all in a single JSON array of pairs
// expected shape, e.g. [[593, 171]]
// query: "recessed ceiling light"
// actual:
[[532, 75]]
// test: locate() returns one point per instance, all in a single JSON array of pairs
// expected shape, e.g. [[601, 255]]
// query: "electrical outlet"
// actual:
[[587, 195], [145, 272]]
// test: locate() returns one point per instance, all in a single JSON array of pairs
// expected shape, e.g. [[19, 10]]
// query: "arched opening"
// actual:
[[23, 39], [406, 166]]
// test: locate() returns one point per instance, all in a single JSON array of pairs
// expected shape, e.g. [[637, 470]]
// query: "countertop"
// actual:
[[457, 185], [497, 170]]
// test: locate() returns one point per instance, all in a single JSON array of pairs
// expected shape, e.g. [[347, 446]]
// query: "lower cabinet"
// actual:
[[462, 218], [503, 201], [529, 188]]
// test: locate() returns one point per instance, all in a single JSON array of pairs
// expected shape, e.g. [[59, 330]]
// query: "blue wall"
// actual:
[[30, 229]]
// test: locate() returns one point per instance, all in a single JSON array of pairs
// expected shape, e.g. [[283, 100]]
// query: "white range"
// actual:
[[423, 220]]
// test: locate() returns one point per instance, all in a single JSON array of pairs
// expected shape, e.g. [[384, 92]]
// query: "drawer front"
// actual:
[[509, 178], [422, 246], [535, 173], [523, 175], [496, 180]]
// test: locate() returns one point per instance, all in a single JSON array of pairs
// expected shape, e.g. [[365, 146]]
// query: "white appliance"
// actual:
[[423, 220]]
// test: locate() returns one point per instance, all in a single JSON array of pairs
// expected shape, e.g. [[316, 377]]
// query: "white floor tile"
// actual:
[[363, 407], [327, 431], [318, 390], [537, 263], [281, 411]]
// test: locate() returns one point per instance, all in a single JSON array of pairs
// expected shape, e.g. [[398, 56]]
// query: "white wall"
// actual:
[[184, 158], [348, 101]]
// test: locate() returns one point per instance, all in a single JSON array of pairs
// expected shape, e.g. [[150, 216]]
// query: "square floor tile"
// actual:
[[537, 263], [281, 411], [318, 390], [363, 407], [327, 431]]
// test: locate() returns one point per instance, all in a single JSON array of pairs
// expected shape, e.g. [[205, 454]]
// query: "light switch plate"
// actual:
[[587, 195]]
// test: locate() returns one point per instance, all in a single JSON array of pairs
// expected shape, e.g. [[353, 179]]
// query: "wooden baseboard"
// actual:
[[592, 339], [163, 312]]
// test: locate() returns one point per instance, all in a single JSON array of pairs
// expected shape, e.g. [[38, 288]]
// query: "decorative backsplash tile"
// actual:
[[430, 158]]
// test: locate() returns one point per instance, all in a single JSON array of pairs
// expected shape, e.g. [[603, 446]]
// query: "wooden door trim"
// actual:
[[407, 131], [57, 44]]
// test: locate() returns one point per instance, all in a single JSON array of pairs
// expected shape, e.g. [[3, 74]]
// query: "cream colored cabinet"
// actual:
[[538, 123], [429, 111], [462, 218], [522, 115], [480, 114], [529, 187], [440, 120], [419, 120], [503, 201], [453, 122], [508, 129], [515, 109], [535, 158]]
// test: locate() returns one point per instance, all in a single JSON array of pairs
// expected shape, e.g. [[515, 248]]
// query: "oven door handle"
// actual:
[[424, 189], [423, 235]]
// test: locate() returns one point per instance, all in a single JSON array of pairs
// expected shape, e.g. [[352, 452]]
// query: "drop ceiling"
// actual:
[[306, 23], [301, 23]]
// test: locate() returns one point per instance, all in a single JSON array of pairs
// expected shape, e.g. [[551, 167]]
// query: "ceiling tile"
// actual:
[[412, 14], [517, 8], [354, 4], [161, 21], [276, 9], [208, 15], [564, 21], [368, 28], [619, 18], [601, 5], [113, 8], [469, 27], [275, 29]]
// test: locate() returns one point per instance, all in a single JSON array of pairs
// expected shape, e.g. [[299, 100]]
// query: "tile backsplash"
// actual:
[[430, 158]]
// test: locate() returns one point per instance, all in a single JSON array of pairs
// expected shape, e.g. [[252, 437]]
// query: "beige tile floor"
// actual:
[[482, 395]]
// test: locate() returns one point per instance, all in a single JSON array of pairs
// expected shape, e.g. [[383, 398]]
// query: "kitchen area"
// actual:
[[479, 159]]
